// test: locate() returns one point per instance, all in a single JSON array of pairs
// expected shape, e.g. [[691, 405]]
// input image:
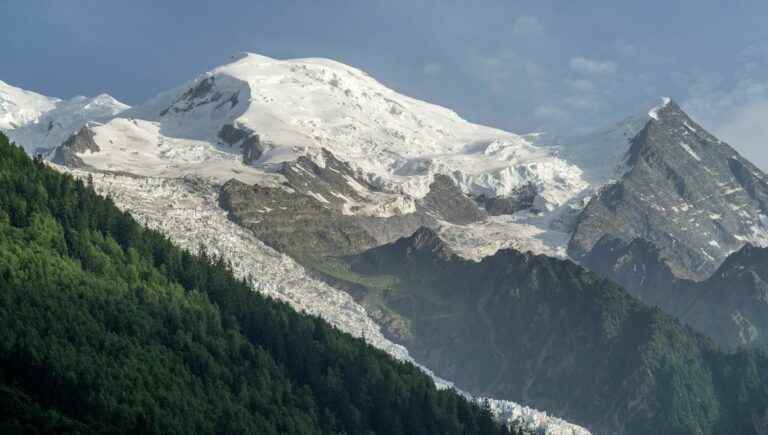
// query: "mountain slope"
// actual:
[[731, 306], [55, 126], [686, 192], [110, 328], [550, 333]]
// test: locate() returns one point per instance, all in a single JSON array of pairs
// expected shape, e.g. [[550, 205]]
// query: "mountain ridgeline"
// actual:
[[549, 333], [109, 328]]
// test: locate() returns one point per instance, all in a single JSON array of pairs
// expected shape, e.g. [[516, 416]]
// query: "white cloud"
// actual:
[[588, 66], [527, 25], [432, 69]]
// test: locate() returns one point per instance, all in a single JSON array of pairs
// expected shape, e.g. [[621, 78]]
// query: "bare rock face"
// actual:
[[334, 182], [78, 143], [446, 201], [521, 199], [248, 141], [686, 192], [201, 94], [296, 224]]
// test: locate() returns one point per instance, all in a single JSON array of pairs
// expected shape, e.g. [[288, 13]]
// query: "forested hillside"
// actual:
[[107, 327], [552, 334]]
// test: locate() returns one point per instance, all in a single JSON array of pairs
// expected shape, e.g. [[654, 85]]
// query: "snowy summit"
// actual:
[[297, 107]]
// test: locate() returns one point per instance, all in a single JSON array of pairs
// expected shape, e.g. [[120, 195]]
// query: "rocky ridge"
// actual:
[[685, 191]]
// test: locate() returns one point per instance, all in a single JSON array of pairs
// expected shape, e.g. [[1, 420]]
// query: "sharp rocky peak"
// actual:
[[685, 191], [424, 240]]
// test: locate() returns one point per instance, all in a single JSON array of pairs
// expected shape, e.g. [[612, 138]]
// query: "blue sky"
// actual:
[[560, 66]]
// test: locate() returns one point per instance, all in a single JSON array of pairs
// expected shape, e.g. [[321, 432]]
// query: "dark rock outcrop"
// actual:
[[334, 182], [248, 141], [521, 199], [201, 93], [80, 142], [446, 201], [296, 224]]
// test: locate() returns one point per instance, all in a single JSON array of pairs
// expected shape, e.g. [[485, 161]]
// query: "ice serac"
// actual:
[[690, 195]]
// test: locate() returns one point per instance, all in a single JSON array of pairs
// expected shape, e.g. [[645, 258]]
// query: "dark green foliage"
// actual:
[[109, 328]]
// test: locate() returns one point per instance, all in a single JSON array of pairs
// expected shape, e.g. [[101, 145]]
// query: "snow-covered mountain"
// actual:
[[19, 107], [292, 108], [311, 128], [40, 123]]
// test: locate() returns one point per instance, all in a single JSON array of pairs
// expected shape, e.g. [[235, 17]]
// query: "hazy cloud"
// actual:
[[432, 69], [588, 66], [527, 25]]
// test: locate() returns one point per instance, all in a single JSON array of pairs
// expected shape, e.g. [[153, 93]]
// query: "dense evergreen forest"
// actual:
[[109, 328]]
